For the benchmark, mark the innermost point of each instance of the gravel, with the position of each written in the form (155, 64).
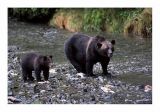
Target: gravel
(66, 86)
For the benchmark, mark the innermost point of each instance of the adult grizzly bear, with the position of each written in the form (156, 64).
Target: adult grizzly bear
(84, 51)
(35, 62)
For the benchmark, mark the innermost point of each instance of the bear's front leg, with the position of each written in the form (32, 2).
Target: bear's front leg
(46, 74)
(104, 68)
(38, 74)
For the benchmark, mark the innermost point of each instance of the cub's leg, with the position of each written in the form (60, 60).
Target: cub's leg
(38, 74)
(30, 77)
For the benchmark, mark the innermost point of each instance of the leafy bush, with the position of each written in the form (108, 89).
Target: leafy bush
(93, 19)
(108, 19)
(31, 14)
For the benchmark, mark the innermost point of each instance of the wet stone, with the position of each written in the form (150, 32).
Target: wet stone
(144, 101)
(13, 99)
(128, 101)
(13, 48)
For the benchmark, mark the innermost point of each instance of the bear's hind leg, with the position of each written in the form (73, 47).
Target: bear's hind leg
(24, 75)
(76, 66)
(89, 68)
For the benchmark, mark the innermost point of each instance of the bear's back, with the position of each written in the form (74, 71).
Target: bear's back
(28, 60)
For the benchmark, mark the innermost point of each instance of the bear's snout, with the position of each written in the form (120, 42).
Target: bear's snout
(110, 53)
(51, 65)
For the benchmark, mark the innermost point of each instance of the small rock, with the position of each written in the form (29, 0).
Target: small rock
(107, 89)
(148, 88)
(100, 78)
(128, 101)
(85, 90)
(12, 74)
(144, 101)
(35, 96)
(93, 98)
(13, 99)
(10, 83)
(32, 85)
(36, 89)
(10, 93)
(12, 48)
(48, 87)
(81, 75)
(10, 102)
(53, 71)
(10, 67)
(108, 98)
(63, 69)
(46, 82)
(141, 86)
(21, 93)
(68, 76)
(42, 91)
(42, 82)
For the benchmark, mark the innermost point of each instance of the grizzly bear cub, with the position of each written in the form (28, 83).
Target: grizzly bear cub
(84, 51)
(35, 62)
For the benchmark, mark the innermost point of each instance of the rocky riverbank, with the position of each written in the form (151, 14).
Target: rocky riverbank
(66, 86)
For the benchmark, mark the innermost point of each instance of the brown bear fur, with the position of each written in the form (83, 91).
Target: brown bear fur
(84, 51)
(35, 62)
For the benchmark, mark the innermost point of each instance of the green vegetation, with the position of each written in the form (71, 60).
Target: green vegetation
(97, 19)
(110, 20)
(136, 21)
(93, 19)
(130, 21)
(31, 14)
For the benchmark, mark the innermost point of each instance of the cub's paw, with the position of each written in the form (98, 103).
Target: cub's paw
(108, 75)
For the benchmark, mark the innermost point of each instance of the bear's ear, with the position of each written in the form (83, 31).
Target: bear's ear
(113, 42)
(50, 56)
(98, 45)
(44, 58)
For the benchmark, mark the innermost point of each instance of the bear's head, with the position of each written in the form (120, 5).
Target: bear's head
(104, 48)
(47, 60)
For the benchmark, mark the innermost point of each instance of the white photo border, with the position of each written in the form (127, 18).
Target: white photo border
(154, 107)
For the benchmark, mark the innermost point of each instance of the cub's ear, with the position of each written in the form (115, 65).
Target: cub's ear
(98, 45)
(44, 58)
(51, 56)
(113, 42)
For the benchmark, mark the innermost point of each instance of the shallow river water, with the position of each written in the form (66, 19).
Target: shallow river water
(131, 56)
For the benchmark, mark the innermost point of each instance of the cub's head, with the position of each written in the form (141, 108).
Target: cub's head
(105, 48)
(47, 60)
